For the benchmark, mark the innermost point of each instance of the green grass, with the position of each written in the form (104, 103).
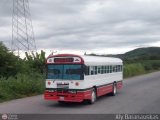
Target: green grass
(21, 86)
(141, 67)
(133, 69)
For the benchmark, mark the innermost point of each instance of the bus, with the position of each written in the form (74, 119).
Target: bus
(75, 78)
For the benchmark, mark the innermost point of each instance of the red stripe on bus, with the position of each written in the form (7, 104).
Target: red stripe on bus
(104, 90)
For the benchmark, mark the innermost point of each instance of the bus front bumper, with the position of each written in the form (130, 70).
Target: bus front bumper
(68, 97)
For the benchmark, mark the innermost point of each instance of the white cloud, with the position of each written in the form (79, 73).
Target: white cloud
(90, 25)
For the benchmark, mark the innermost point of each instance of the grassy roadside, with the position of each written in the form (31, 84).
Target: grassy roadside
(141, 67)
(22, 85)
(20, 77)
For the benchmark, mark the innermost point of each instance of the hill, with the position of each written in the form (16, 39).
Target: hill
(142, 53)
(151, 53)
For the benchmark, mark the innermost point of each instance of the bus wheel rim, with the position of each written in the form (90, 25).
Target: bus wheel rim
(115, 90)
(93, 97)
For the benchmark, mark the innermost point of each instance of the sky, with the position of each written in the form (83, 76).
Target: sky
(91, 26)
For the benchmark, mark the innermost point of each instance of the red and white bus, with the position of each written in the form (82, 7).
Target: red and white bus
(74, 78)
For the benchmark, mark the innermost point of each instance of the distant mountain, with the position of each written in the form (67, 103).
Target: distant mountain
(139, 53)
(149, 52)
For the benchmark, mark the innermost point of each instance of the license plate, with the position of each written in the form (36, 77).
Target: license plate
(61, 98)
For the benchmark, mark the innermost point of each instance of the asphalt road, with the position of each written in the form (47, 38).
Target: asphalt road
(139, 95)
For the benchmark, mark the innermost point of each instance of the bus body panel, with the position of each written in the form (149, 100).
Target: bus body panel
(103, 82)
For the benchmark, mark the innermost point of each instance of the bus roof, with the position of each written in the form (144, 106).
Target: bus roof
(93, 60)
(98, 60)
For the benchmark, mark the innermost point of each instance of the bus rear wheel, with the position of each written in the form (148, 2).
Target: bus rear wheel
(114, 92)
(93, 97)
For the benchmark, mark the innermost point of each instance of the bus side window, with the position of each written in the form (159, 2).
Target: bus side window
(99, 70)
(116, 68)
(121, 67)
(91, 72)
(107, 69)
(95, 70)
(110, 69)
(86, 69)
(102, 67)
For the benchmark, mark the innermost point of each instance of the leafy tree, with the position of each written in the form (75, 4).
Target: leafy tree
(8, 62)
(11, 65)
(36, 61)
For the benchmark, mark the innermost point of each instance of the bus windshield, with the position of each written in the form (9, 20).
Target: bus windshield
(65, 72)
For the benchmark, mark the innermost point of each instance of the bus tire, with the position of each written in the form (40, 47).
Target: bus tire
(93, 97)
(114, 92)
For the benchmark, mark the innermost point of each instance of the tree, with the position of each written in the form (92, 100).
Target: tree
(8, 62)
(36, 61)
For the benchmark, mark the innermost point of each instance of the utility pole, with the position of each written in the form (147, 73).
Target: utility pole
(22, 29)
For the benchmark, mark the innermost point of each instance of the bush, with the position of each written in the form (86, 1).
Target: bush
(151, 65)
(20, 77)
(20, 86)
(133, 69)
(140, 67)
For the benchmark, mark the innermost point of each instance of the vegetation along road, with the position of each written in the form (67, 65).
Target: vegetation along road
(140, 94)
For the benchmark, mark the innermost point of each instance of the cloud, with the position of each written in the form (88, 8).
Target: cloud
(91, 24)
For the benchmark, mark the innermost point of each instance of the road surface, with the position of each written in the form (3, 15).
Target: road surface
(139, 95)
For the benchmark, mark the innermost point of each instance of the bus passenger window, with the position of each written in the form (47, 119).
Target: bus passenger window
(99, 70)
(110, 69)
(107, 69)
(95, 70)
(92, 72)
(86, 70)
(102, 69)
(121, 68)
(117, 68)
